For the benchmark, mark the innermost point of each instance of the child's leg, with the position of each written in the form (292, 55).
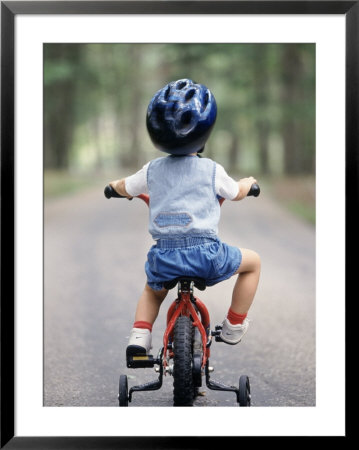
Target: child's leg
(235, 325)
(247, 282)
(146, 313)
(149, 305)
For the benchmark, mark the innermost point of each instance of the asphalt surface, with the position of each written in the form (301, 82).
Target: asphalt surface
(94, 253)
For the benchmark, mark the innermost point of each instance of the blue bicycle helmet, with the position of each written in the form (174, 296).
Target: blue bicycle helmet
(180, 117)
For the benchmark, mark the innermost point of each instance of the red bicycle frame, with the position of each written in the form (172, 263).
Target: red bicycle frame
(183, 306)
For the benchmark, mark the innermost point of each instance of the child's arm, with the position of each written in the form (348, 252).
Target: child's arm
(244, 186)
(132, 185)
(119, 187)
(227, 187)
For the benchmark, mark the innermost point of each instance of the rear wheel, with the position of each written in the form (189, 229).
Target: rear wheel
(123, 391)
(183, 387)
(244, 391)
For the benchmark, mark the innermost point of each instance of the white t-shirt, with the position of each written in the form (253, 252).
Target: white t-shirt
(225, 186)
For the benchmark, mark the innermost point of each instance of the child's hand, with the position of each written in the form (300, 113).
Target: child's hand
(245, 185)
(119, 187)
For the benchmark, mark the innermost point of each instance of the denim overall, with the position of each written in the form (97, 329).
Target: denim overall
(183, 220)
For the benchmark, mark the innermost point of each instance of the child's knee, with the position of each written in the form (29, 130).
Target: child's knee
(256, 260)
(159, 295)
(251, 261)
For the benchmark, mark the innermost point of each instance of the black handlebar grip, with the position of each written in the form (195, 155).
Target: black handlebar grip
(110, 192)
(254, 190)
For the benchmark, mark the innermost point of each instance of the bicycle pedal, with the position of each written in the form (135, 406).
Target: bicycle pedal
(217, 330)
(140, 361)
(217, 333)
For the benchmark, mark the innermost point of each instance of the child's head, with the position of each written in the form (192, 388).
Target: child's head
(180, 117)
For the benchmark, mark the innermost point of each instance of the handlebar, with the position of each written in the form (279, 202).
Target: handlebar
(254, 191)
(110, 192)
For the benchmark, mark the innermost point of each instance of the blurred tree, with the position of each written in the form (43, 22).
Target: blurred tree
(62, 65)
(261, 99)
(134, 58)
(295, 113)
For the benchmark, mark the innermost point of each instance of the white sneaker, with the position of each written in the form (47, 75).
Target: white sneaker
(140, 342)
(232, 334)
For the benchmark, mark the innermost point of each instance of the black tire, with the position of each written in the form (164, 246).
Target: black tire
(195, 392)
(244, 391)
(123, 391)
(183, 388)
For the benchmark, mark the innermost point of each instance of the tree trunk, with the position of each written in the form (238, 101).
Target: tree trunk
(263, 136)
(60, 109)
(261, 79)
(291, 75)
(234, 152)
(133, 157)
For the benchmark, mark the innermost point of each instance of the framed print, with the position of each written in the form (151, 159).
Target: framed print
(77, 79)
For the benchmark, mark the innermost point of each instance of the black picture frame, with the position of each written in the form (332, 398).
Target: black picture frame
(9, 10)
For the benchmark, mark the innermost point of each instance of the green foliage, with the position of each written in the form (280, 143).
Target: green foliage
(59, 183)
(302, 210)
(96, 96)
(295, 193)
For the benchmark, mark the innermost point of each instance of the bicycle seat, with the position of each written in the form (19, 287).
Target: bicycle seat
(199, 283)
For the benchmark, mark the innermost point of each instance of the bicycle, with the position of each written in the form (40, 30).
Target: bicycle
(186, 343)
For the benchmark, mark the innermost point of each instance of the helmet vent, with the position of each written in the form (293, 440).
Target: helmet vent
(190, 94)
(167, 93)
(205, 100)
(186, 117)
(181, 84)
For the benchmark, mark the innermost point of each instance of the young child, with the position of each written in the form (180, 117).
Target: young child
(184, 211)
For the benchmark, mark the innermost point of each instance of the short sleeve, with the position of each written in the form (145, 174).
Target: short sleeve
(226, 186)
(136, 184)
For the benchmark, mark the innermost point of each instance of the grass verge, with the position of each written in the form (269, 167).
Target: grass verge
(296, 193)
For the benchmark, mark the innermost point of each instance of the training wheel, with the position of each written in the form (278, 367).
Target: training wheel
(123, 391)
(244, 391)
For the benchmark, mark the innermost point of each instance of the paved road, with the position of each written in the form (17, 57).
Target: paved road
(94, 256)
